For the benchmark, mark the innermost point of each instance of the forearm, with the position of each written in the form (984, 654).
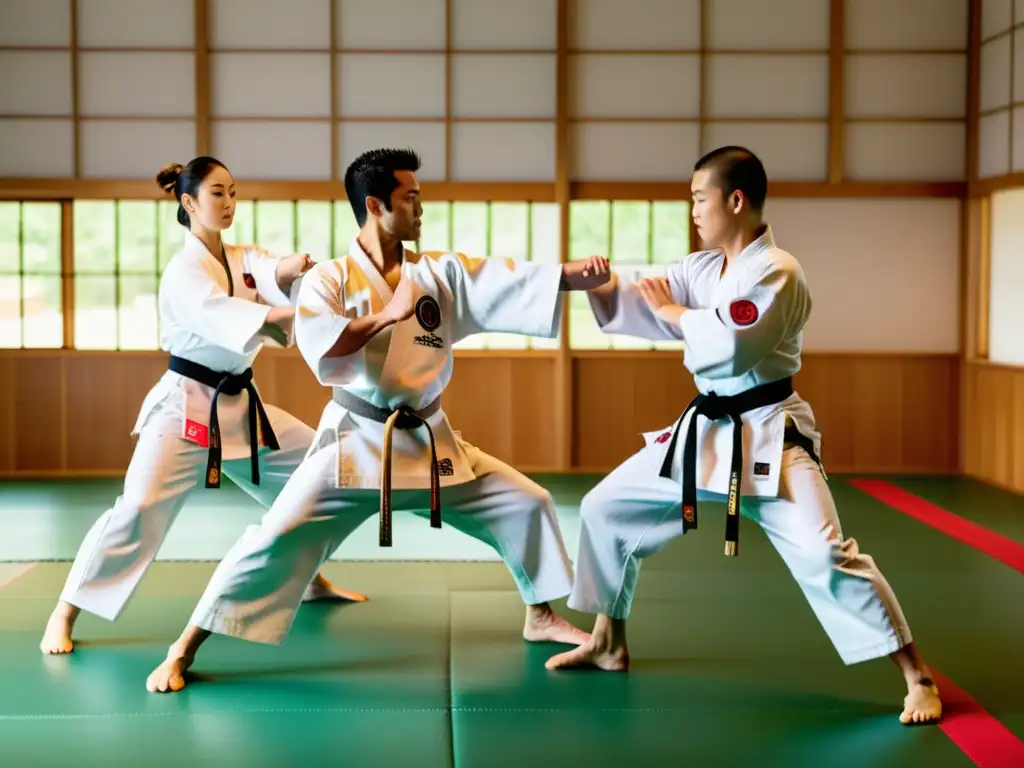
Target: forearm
(358, 332)
(605, 298)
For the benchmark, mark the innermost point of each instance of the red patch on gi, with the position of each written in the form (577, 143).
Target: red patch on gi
(743, 312)
(249, 280)
(663, 438)
(197, 433)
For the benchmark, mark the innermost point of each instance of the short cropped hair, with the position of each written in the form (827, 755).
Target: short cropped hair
(372, 174)
(737, 169)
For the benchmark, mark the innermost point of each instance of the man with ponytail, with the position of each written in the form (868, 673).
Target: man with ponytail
(219, 305)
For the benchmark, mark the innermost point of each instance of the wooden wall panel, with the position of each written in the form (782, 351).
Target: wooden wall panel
(994, 424)
(615, 399)
(877, 413)
(70, 413)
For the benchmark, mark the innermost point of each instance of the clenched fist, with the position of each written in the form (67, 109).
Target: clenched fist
(587, 274)
(290, 268)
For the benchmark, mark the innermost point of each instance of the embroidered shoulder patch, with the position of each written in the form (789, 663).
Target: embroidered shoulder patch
(743, 312)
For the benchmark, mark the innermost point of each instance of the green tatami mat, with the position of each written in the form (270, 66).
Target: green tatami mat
(1000, 511)
(354, 685)
(705, 688)
(233, 739)
(388, 654)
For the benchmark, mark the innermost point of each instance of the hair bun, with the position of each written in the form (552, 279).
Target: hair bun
(167, 177)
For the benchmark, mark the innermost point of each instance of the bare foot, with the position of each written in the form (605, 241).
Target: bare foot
(606, 649)
(922, 703)
(57, 635)
(590, 655)
(169, 677)
(321, 589)
(543, 625)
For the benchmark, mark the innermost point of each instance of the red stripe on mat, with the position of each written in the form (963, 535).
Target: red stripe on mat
(992, 544)
(986, 741)
(979, 735)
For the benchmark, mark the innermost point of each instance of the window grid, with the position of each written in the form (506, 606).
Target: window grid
(652, 261)
(38, 276)
(116, 294)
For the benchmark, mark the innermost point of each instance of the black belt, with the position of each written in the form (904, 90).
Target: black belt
(715, 407)
(402, 417)
(230, 384)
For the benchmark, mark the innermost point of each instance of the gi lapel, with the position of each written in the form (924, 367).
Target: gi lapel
(370, 270)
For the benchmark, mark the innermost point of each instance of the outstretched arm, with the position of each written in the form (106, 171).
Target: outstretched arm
(275, 276)
(507, 296)
(621, 307)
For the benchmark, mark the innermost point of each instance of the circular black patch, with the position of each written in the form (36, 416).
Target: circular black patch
(428, 313)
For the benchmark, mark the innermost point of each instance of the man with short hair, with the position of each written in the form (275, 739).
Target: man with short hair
(740, 308)
(378, 326)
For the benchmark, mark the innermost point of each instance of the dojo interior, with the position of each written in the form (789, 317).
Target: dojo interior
(550, 130)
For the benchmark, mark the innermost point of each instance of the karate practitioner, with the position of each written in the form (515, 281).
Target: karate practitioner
(378, 327)
(219, 304)
(740, 308)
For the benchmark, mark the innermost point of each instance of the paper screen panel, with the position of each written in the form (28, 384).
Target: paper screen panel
(1006, 280)
(35, 83)
(906, 24)
(295, 24)
(790, 152)
(134, 84)
(503, 85)
(639, 25)
(996, 66)
(35, 22)
(392, 25)
(136, 23)
(503, 152)
(265, 84)
(635, 86)
(767, 86)
(996, 17)
(273, 150)
(428, 139)
(1018, 139)
(420, 78)
(880, 86)
(758, 25)
(487, 25)
(1018, 65)
(994, 144)
(36, 148)
(634, 151)
(134, 149)
(905, 151)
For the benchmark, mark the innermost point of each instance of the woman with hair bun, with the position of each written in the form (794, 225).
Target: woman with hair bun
(219, 304)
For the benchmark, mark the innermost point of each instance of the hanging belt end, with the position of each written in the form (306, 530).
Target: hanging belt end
(732, 548)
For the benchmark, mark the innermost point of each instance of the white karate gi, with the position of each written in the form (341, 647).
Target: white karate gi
(742, 330)
(209, 320)
(258, 586)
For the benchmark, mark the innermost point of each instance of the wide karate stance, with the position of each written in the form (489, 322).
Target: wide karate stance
(740, 308)
(204, 416)
(378, 327)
